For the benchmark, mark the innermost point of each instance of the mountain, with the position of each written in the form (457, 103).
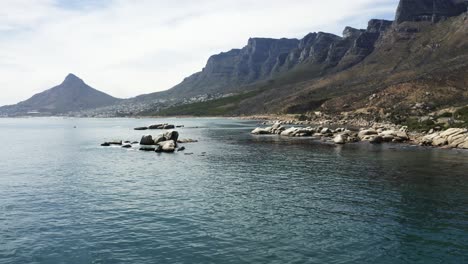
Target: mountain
(72, 95)
(415, 64)
(265, 59)
(224, 73)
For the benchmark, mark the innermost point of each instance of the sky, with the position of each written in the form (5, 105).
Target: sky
(132, 47)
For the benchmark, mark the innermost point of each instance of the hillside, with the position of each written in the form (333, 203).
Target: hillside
(72, 95)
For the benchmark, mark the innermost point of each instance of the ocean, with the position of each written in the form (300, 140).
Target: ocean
(230, 198)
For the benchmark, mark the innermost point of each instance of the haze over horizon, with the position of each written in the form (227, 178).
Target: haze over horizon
(127, 48)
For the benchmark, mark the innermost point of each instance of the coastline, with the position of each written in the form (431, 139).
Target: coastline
(449, 138)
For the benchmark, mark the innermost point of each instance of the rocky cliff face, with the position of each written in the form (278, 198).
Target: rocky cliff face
(429, 10)
(263, 58)
(226, 71)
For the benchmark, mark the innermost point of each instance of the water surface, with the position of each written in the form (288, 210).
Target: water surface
(247, 199)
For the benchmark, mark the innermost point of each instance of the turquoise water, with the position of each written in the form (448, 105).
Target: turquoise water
(249, 199)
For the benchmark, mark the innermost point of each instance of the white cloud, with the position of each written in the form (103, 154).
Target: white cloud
(130, 47)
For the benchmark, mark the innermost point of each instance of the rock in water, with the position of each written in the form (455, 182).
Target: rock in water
(140, 128)
(339, 139)
(363, 133)
(158, 139)
(187, 140)
(376, 139)
(106, 144)
(168, 146)
(325, 131)
(171, 135)
(147, 140)
(156, 126)
(261, 131)
(168, 127)
(127, 146)
(147, 149)
(181, 149)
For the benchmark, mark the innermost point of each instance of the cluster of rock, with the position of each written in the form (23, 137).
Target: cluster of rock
(124, 144)
(339, 135)
(158, 126)
(450, 138)
(167, 142)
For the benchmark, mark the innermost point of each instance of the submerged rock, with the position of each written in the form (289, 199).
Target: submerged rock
(156, 126)
(187, 140)
(181, 149)
(147, 149)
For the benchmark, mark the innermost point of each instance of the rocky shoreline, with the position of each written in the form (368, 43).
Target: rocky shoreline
(376, 133)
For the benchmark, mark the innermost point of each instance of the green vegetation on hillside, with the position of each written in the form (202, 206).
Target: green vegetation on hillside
(219, 107)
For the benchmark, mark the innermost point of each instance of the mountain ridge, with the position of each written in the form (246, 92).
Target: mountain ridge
(326, 72)
(325, 69)
(72, 95)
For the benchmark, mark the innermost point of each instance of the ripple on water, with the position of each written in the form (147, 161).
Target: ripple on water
(247, 200)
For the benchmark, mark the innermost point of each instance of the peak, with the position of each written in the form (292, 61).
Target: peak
(71, 78)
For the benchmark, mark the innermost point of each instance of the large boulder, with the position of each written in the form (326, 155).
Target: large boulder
(464, 145)
(428, 139)
(277, 125)
(339, 139)
(453, 131)
(402, 135)
(277, 128)
(439, 141)
(171, 135)
(158, 139)
(367, 132)
(325, 131)
(261, 131)
(376, 139)
(289, 132)
(457, 140)
(167, 146)
(147, 140)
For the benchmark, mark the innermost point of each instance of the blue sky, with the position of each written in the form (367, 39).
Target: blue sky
(131, 47)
